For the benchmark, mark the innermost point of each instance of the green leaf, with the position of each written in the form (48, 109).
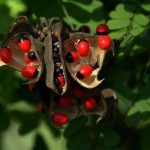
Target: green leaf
(28, 120)
(40, 143)
(146, 6)
(125, 7)
(81, 143)
(74, 126)
(139, 111)
(118, 23)
(137, 31)
(6, 20)
(117, 34)
(5, 116)
(14, 141)
(141, 19)
(81, 140)
(120, 14)
(109, 137)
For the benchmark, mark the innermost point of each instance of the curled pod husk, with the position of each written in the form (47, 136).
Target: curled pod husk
(112, 102)
(60, 31)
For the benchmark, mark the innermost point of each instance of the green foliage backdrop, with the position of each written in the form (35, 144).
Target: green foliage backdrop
(23, 127)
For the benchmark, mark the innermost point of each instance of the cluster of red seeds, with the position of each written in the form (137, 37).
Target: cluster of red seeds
(24, 44)
(85, 71)
(61, 118)
(28, 71)
(82, 50)
(65, 101)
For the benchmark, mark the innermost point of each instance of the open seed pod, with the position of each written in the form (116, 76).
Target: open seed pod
(93, 103)
(21, 50)
(84, 58)
(55, 68)
(63, 108)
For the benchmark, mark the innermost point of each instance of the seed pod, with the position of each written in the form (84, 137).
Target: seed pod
(65, 101)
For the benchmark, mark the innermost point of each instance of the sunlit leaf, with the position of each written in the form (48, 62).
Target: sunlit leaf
(139, 111)
(146, 6)
(126, 7)
(141, 19)
(137, 31)
(118, 23)
(120, 14)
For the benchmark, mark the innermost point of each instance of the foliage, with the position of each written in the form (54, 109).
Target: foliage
(23, 127)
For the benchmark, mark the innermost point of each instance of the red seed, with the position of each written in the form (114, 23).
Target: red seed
(60, 118)
(24, 44)
(29, 72)
(31, 87)
(84, 28)
(84, 72)
(90, 103)
(27, 59)
(104, 42)
(83, 48)
(65, 101)
(5, 55)
(102, 29)
(72, 57)
(78, 92)
(40, 107)
(62, 81)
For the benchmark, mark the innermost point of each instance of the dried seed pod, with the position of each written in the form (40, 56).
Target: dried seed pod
(28, 41)
(95, 59)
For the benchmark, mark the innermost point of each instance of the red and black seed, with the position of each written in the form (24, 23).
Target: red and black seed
(31, 55)
(79, 75)
(84, 28)
(58, 71)
(69, 58)
(59, 80)
(56, 82)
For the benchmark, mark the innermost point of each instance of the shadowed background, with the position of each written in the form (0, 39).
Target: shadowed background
(128, 73)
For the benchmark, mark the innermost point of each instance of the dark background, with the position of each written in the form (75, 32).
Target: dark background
(22, 127)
